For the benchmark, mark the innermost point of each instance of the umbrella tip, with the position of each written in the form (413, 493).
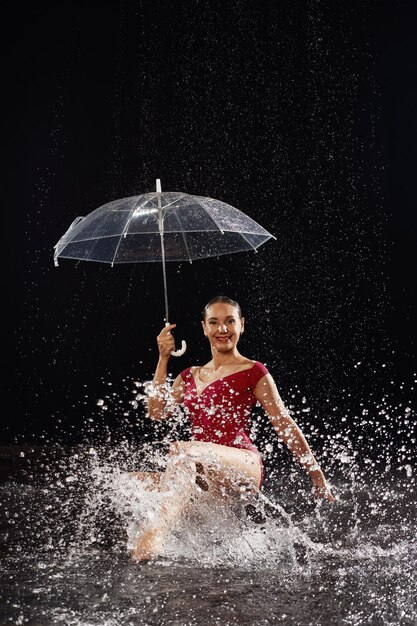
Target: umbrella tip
(158, 185)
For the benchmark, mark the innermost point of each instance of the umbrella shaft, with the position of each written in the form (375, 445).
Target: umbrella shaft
(164, 274)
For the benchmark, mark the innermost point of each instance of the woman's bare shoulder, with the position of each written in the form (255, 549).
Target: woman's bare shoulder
(247, 363)
(192, 370)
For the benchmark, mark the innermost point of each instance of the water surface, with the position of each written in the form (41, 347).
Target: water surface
(68, 516)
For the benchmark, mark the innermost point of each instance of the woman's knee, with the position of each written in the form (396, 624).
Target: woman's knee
(186, 456)
(179, 459)
(174, 449)
(196, 450)
(186, 450)
(178, 448)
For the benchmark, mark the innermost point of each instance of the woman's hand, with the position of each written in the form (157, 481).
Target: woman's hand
(323, 491)
(320, 487)
(166, 342)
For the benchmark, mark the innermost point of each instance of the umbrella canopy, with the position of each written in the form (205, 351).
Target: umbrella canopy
(160, 227)
(128, 230)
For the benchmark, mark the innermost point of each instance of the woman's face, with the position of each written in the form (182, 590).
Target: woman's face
(223, 326)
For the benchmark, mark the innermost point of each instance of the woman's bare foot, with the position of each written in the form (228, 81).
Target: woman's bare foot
(149, 546)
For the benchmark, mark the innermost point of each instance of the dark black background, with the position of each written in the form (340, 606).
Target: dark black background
(300, 114)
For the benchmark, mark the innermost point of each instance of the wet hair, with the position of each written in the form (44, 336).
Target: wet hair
(223, 300)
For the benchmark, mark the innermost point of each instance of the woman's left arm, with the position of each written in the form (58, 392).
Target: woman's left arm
(266, 393)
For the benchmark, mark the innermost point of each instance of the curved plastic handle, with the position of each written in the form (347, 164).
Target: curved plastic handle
(181, 350)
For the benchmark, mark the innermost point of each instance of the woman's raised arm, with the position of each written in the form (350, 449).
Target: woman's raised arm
(161, 397)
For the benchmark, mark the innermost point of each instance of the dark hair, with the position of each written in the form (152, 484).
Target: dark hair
(224, 300)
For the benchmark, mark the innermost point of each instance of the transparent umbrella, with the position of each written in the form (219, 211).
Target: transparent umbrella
(160, 227)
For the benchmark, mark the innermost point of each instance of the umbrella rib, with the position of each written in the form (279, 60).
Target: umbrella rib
(209, 214)
(183, 236)
(169, 203)
(247, 241)
(155, 232)
(223, 230)
(124, 231)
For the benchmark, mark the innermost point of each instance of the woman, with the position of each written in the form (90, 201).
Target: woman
(218, 398)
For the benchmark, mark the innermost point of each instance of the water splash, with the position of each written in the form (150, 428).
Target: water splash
(71, 514)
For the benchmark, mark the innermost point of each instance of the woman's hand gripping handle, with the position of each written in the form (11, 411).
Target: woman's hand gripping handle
(166, 343)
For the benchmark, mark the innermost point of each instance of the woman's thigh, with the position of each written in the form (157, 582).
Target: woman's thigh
(225, 462)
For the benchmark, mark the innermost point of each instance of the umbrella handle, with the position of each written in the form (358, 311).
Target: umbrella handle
(181, 350)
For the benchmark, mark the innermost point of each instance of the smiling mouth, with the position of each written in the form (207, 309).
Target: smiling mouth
(224, 339)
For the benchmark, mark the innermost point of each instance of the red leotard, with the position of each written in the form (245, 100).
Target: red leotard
(220, 414)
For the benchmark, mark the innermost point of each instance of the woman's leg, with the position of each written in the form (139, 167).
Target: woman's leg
(176, 486)
(234, 465)
(190, 463)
